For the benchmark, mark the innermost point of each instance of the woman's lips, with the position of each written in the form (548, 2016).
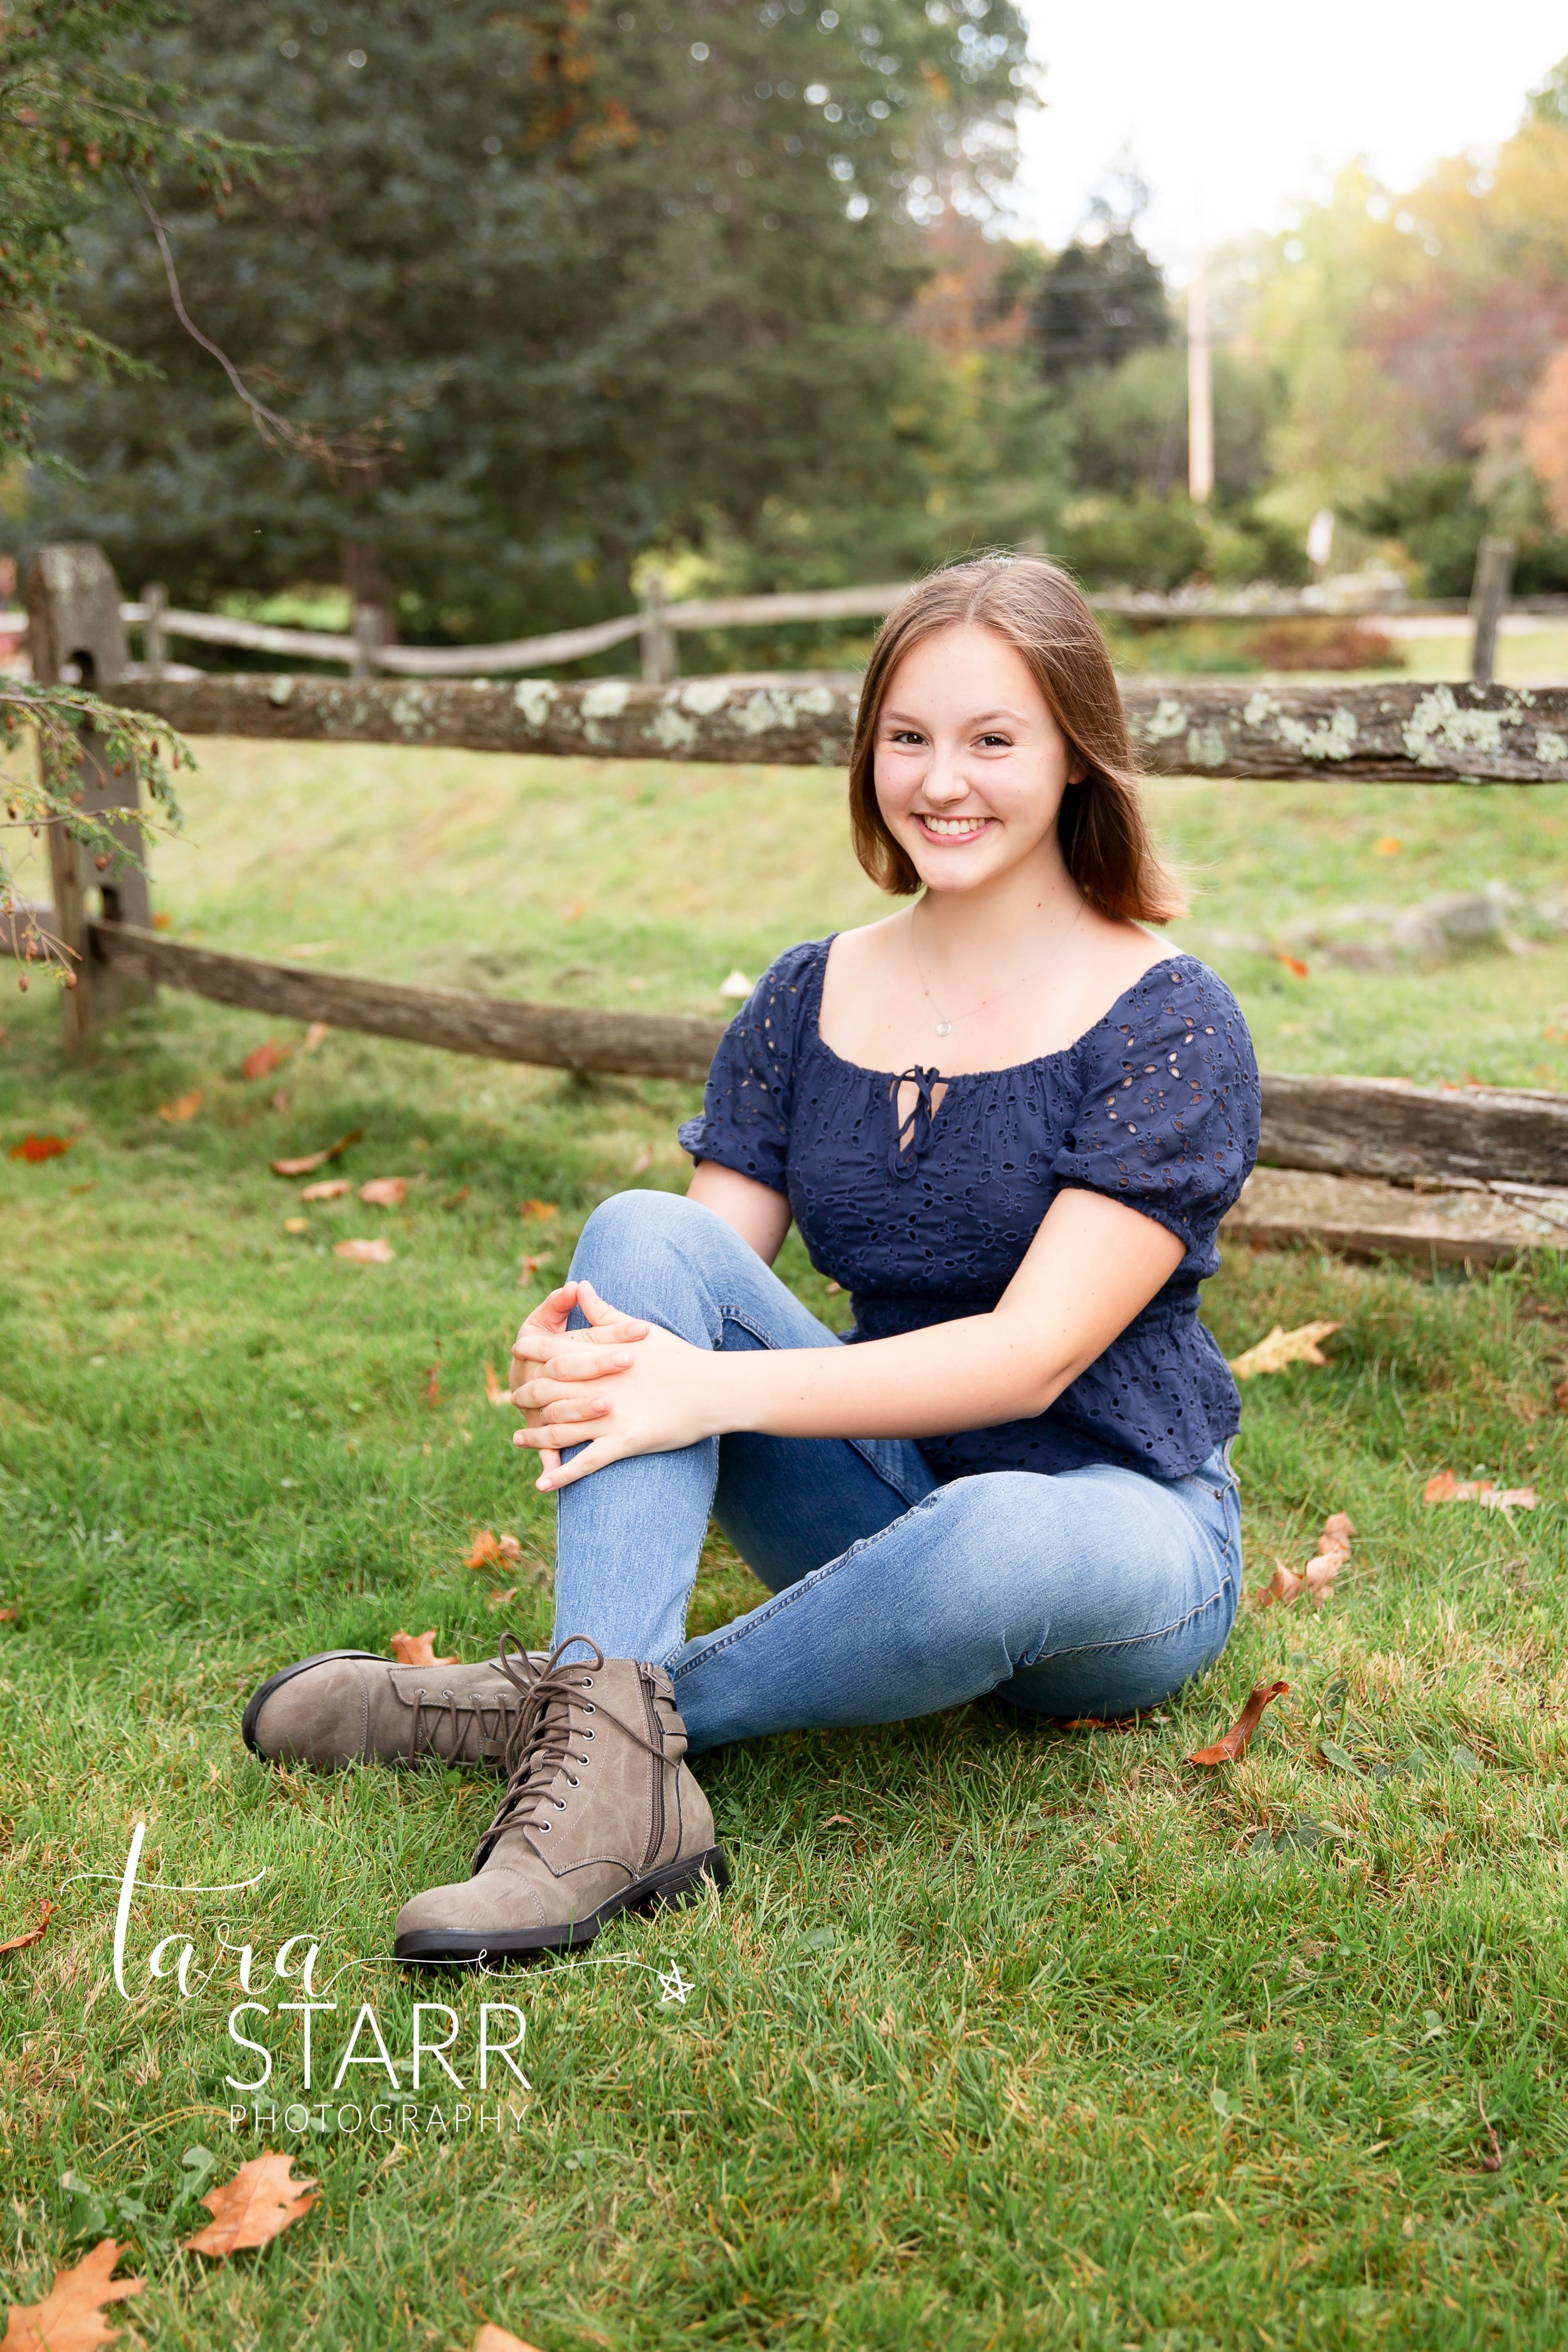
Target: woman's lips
(944, 831)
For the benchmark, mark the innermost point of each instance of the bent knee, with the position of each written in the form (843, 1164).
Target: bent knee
(630, 1236)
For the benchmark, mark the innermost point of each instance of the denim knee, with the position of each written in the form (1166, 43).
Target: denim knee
(634, 1238)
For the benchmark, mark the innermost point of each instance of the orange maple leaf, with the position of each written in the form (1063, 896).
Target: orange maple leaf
(418, 1650)
(489, 1549)
(32, 1936)
(251, 2208)
(263, 1059)
(1233, 1747)
(314, 1160)
(70, 2316)
(537, 1209)
(384, 1192)
(183, 1107)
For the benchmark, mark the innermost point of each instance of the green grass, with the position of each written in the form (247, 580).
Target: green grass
(1036, 2043)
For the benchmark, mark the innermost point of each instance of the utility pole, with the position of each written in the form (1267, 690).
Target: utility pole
(1200, 391)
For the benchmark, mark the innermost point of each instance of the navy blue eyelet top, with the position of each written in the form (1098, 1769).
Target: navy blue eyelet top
(927, 1220)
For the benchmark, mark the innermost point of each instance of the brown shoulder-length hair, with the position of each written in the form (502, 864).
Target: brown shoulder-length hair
(1042, 614)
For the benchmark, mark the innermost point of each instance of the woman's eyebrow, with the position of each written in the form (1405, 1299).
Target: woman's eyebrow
(985, 718)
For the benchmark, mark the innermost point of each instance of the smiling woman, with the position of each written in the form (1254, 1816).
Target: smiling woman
(1013, 1475)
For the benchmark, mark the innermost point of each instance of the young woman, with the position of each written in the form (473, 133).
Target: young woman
(1008, 1123)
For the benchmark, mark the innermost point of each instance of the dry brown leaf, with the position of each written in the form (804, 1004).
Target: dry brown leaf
(1560, 1396)
(70, 2316)
(1234, 1745)
(364, 1252)
(537, 1209)
(490, 1549)
(531, 1267)
(262, 1060)
(456, 1200)
(840, 1821)
(251, 2208)
(316, 1034)
(433, 1387)
(314, 1160)
(1294, 964)
(494, 1391)
(419, 1650)
(384, 1192)
(1281, 1347)
(33, 1935)
(296, 1224)
(1446, 1488)
(331, 1188)
(499, 1599)
(491, 2339)
(183, 1107)
(35, 1149)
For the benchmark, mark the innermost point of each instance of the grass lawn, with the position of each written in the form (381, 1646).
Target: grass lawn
(1000, 2038)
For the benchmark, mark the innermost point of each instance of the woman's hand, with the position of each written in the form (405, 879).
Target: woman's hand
(545, 1334)
(596, 1390)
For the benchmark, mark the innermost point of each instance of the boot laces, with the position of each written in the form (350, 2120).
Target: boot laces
(541, 1741)
(499, 1706)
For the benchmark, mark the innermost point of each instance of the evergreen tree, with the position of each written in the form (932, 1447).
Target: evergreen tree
(560, 283)
(1102, 300)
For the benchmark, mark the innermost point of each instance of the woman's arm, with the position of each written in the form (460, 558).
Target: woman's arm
(759, 1214)
(1092, 1266)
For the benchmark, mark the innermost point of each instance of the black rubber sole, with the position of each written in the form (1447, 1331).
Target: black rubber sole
(682, 1882)
(263, 1691)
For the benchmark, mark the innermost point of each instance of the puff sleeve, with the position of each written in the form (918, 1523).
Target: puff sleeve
(1168, 1119)
(746, 1105)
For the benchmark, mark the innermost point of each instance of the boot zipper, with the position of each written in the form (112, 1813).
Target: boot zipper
(656, 1727)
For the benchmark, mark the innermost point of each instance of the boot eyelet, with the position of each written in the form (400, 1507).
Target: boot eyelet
(546, 1826)
(571, 1783)
(587, 1735)
(591, 1710)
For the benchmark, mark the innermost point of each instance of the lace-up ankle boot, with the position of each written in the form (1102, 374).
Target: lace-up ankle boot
(350, 1706)
(601, 1814)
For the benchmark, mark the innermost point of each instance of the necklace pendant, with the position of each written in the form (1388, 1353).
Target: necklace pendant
(944, 1028)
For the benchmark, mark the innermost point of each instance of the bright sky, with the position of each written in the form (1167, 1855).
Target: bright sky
(1231, 107)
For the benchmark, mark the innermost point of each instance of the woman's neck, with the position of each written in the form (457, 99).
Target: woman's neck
(1016, 917)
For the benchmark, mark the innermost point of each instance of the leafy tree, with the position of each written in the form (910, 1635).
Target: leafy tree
(595, 278)
(1102, 299)
(77, 113)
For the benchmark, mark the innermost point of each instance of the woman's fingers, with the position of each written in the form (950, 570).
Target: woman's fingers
(601, 1314)
(593, 1457)
(541, 1383)
(560, 1437)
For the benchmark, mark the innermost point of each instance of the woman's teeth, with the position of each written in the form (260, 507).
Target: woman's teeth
(957, 828)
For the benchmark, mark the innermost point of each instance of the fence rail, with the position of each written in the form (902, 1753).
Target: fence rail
(1398, 732)
(656, 622)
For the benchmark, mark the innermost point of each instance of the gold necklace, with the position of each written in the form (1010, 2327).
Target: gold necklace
(944, 1025)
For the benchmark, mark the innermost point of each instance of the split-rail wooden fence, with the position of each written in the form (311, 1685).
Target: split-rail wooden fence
(1472, 1173)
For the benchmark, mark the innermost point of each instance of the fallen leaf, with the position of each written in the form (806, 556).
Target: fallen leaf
(1389, 846)
(537, 1209)
(32, 1934)
(1281, 1347)
(251, 2208)
(296, 1224)
(496, 1393)
(331, 1188)
(1560, 1396)
(183, 1107)
(35, 1149)
(262, 1060)
(316, 1034)
(384, 1192)
(839, 1821)
(499, 1599)
(456, 1200)
(491, 2339)
(1098, 1723)
(1446, 1488)
(363, 1252)
(418, 1650)
(1317, 1578)
(70, 2316)
(488, 1548)
(1294, 964)
(8, 1616)
(531, 1267)
(163, 923)
(433, 1387)
(1286, 1588)
(1234, 1745)
(314, 1160)
(735, 983)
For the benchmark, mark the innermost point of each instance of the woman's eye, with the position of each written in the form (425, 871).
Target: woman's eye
(996, 742)
(905, 735)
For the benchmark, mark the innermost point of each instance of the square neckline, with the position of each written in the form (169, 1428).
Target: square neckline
(1005, 1070)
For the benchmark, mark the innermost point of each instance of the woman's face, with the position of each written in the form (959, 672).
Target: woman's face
(970, 765)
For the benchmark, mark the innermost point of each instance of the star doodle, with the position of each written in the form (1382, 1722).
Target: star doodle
(675, 1986)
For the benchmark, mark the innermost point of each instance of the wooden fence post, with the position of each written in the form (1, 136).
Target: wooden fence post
(155, 646)
(661, 663)
(74, 625)
(1489, 601)
(369, 637)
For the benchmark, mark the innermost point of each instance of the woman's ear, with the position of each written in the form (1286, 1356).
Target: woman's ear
(1077, 770)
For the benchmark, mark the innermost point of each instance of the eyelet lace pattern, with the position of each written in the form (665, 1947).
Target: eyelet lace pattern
(1157, 1105)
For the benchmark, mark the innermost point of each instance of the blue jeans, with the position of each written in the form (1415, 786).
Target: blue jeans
(1094, 1591)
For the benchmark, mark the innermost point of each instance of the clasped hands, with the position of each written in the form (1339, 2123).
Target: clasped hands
(621, 1387)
